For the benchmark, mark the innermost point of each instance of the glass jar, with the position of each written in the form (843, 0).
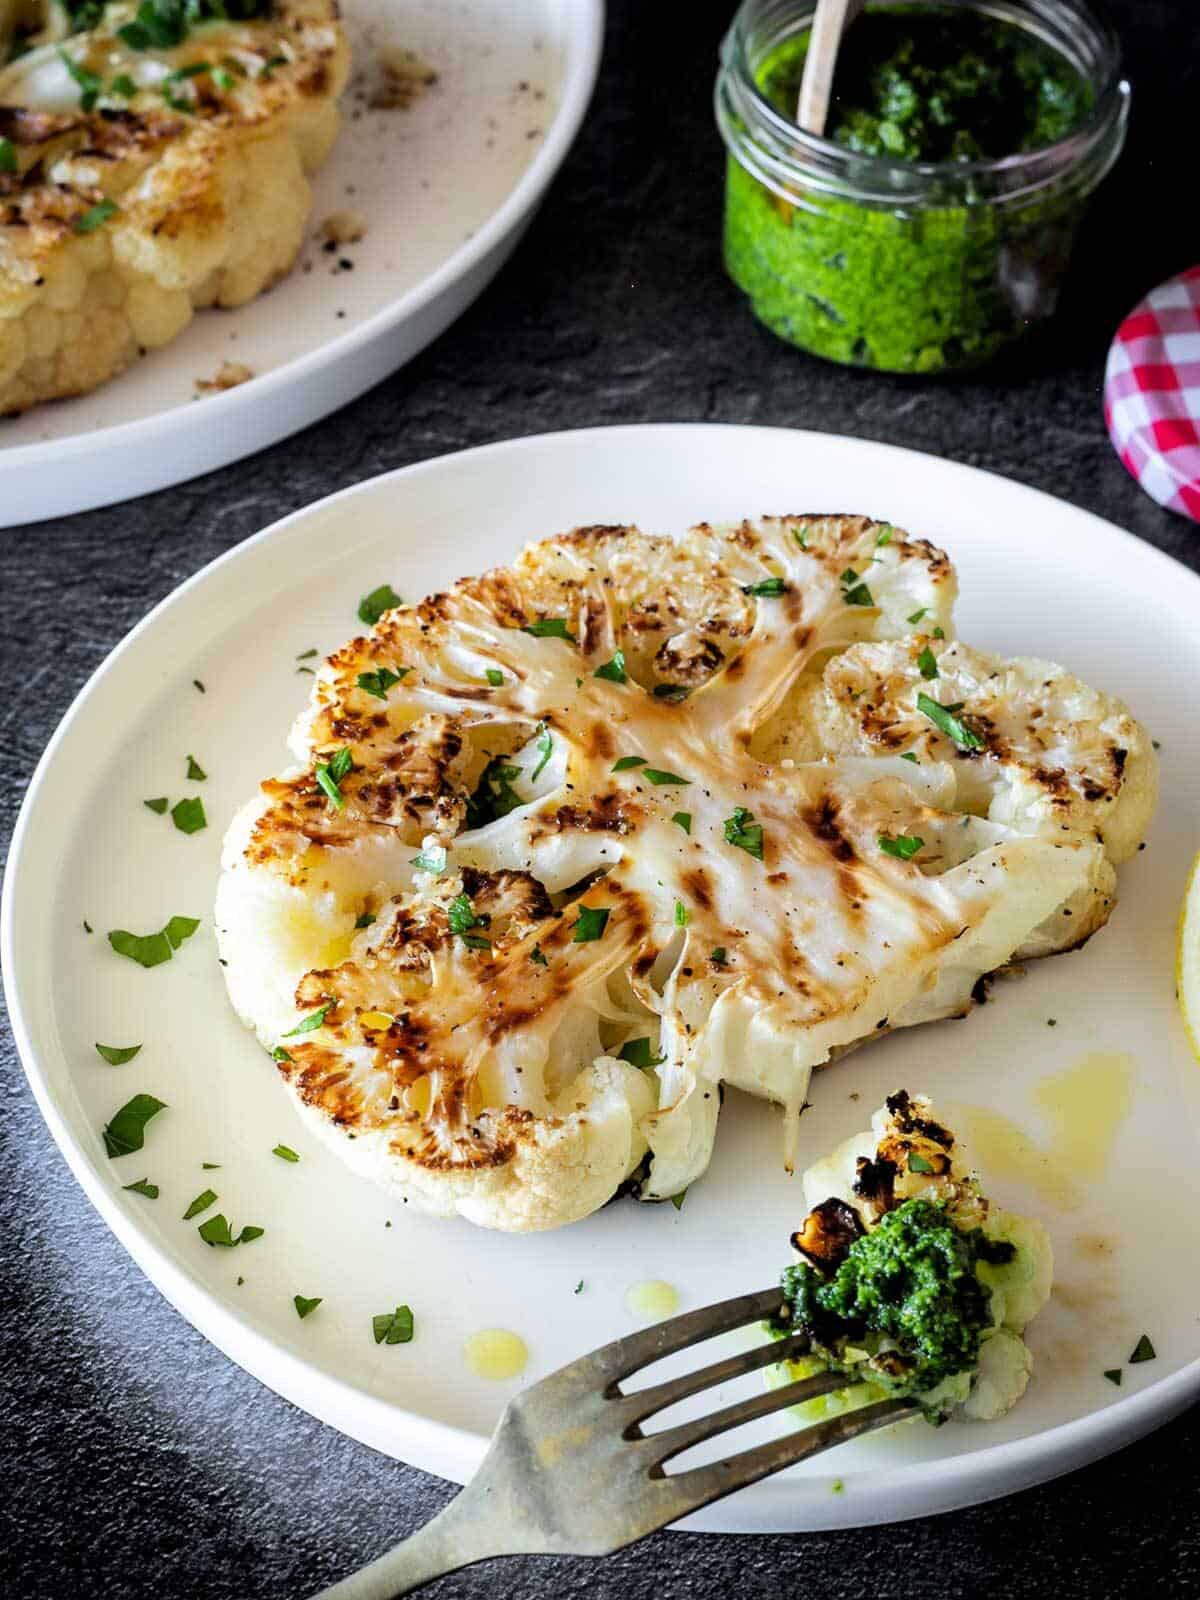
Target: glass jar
(900, 265)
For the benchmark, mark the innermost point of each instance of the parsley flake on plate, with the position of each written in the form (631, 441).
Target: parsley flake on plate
(393, 1327)
(188, 815)
(329, 775)
(495, 677)
(545, 745)
(157, 805)
(1113, 1374)
(117, 1054)
(682, 915)
(683, 819)
(203, 1200)
(462, 919)
(372, 606)
(640, 1053)
(304, 1306)
(285, 1153)
(625, 763)
(126, 1132)
(854, 590)
(767, 589)
(142, 1186)
(216, 1231)
(431, 860)
(152, 949)
(678, 1199)
(927, 662)
(665, 779)
(195, 772)
(918, 1163)
(1143, 1350)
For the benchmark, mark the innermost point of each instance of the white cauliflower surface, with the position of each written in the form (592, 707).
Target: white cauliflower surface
(542, 877)
(154, 160)
(907, 1154)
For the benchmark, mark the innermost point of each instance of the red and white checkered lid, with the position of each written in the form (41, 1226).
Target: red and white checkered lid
(1152, 393)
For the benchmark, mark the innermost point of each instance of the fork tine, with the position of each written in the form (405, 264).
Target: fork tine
(643, 1403)
(704, 1484)
(623, 1357)
(671, 1442)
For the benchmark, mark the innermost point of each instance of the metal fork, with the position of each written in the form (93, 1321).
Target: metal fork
(570, 1471)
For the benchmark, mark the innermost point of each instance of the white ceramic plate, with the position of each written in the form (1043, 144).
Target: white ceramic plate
(446, 187)
(1036, 576)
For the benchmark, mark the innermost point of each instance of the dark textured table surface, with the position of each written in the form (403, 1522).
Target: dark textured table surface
(614, 309)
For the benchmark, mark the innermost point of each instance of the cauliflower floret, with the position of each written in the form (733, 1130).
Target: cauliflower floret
(151, 182)
(587, 723)
(906, 1160)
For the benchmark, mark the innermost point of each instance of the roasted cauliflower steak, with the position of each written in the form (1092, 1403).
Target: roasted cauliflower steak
(154, 160)
(574, 843)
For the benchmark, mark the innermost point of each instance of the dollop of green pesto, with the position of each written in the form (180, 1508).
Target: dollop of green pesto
(909, 1290)
(919, 83)
(920, 288)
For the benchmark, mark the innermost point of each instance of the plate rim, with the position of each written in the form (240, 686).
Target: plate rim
(449, 1449)
(584, 39)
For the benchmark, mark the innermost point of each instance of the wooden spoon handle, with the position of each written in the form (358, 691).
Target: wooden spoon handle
(832, 19)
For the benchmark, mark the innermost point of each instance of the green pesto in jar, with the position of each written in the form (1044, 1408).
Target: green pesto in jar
(923, 289)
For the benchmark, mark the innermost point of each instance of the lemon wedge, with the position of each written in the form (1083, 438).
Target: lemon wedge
(1187, 960)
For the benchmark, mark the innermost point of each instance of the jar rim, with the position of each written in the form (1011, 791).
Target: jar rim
(1110, 94)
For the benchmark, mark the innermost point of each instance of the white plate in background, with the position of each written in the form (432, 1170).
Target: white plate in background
(1036, 575)
(446, 188)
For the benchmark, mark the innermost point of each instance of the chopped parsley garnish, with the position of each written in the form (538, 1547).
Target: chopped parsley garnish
(307, 655)
(720, 956)
(152, 949)
(946, 722)
(158, 805)
(372, 606)
(431, 860)
(142, 1186)
(364, 919)
(495, 796)
(311, 1022)
(8, 156)
(939, 633)
(538, 956)
(280, 1054)
(678, 1199)
(918, 1163)
(767, 589)
(89, 92)
(1143, 1350)
(462, 919)
(123, 86)
(217, 1231)
(117, 1054)
(624, 763)
(378, 683)
(613, 671)
(393, 1327)
(640, 1053)
(545, 745)
(203, 1200)
(682, 915)
(127, 1130)
(671, 692)
(550, 628)
(742, 830)
(854, 590)
(927, 662)
(885, 536)
(285, 1153)
(188, 815)
(210, 1166)
(329, 775)
(304, 1306)
(916, 616)
(663, 779)
(95, 217)
(590, 924)
(495, 677)
(683, 819)
(903, 846)
(1113, 1374)
(579, 1287)
(87, 927)
(910, 756)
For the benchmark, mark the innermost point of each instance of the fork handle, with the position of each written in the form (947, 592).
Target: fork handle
(458, 1536)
